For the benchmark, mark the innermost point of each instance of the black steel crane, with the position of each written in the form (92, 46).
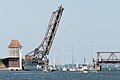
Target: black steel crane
(39, 54)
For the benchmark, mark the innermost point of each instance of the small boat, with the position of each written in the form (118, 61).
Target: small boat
(84, 68)
(85, 71)
(45, 71)
(72, 69)
(52, 68)
(64, 69)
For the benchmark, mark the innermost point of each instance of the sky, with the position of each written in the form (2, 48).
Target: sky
(86, 27)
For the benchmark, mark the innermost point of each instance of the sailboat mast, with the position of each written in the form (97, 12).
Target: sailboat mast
(72, 55)
(84, 60)
(62, 55)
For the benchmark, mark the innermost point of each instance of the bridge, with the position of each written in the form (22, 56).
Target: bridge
(112, 58)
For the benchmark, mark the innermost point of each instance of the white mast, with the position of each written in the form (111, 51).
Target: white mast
(72, 55)
(62, 57)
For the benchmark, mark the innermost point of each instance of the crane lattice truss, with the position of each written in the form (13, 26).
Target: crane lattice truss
(41, 52)
(112, 58)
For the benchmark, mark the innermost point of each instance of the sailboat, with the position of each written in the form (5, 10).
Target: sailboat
(53, 67)
(84, 67)
(63, 67)
(73, 68)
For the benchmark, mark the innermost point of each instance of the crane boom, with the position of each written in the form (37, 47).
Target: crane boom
(40, 53)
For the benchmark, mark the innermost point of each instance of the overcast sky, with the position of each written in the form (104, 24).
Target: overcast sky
(87, 26)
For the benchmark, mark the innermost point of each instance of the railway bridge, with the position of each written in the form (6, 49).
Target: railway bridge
(113, 58)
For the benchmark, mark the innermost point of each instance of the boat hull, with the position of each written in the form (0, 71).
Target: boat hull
(29, 66)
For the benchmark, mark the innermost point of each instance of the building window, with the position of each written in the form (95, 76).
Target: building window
(14, 52)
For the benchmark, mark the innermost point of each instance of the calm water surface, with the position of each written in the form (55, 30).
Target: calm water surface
(58, 75)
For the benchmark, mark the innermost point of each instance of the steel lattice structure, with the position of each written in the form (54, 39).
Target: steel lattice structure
(39, 54)
(112, 58)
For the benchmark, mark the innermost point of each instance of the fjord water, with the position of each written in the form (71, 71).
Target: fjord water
(59, 75)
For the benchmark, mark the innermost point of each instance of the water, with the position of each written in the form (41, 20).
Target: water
(58, 75)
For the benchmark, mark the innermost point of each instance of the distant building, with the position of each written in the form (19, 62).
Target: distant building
(15, 55)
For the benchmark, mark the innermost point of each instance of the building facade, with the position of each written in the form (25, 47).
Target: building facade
(15, 55)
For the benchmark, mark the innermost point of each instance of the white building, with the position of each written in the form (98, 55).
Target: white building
(15, 55)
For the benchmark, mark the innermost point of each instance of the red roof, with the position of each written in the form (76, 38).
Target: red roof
(14, 44)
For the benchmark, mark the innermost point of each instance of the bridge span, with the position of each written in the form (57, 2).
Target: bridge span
(113, 58)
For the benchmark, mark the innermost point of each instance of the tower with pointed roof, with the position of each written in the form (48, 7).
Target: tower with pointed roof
(15, 55)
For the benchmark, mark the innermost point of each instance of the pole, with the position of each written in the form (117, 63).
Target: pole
(72, 55)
